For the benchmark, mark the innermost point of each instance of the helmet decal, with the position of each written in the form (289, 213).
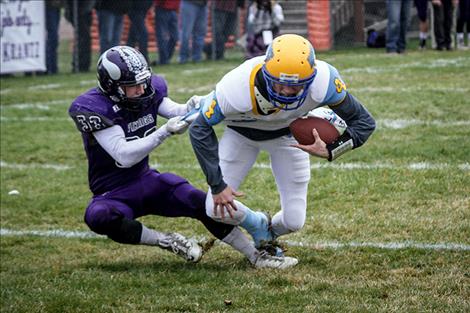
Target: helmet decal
(311, 57)
(112, 69)
(133, 62)
(289, 78)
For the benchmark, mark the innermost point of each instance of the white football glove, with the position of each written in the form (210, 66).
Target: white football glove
(193, 103)
(176, 126)
(330, 116)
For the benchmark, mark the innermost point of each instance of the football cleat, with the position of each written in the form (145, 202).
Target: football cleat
(265, 260)
(188, 249)
(273, 248)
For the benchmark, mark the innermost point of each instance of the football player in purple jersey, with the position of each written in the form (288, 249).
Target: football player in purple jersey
(117, 121)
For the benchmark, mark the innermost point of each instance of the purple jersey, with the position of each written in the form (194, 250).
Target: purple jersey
(93, 111)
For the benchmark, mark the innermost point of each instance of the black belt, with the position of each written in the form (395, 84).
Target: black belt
(259, 134)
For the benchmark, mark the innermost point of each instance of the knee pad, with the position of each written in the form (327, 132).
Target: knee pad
(98, 217)
(294, 216)
(291, 218)
(105, 219)
(294, 225)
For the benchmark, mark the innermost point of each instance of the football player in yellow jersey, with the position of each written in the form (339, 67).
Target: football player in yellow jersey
(257, 101)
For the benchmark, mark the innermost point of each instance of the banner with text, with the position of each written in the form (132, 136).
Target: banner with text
(22, 36)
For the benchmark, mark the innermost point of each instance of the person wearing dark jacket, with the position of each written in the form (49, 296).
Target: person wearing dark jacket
(110, 16)
(138, 33)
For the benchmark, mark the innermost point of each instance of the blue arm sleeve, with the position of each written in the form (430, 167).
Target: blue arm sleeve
(210, 109)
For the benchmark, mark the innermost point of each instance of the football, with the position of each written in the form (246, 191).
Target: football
(302, 128)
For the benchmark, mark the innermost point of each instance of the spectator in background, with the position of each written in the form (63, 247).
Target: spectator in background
(264, 20)
(110, 15)
(138, 31)
(463, 18)
(53, 8)
(422, 8)
(166, 28)
(443, 19)
(193, 25)
(82, 49)
(224, 24)
(398, 14)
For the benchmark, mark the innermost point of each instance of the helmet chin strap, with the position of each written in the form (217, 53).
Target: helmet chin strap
(264, 104)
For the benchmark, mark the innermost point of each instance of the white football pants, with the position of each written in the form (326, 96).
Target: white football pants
(291, 169)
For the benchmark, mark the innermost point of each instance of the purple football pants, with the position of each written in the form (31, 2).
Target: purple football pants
(153, 193)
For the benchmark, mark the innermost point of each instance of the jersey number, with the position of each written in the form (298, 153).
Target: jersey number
(211, 109)
(90, 123)
(340, 86)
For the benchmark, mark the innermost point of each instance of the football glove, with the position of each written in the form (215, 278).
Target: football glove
(193, 103)
(176, 125)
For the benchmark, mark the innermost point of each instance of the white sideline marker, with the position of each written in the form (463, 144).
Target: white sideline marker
(319, 245)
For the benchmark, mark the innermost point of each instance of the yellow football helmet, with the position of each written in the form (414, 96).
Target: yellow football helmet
(290, 60)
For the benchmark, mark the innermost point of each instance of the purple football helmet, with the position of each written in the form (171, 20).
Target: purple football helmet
(125, 66)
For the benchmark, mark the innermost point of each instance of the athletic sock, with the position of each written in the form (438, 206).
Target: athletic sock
(151, 237)
(237, 240)
(252, 221)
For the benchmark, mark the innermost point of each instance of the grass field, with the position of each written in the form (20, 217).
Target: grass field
(388, 225)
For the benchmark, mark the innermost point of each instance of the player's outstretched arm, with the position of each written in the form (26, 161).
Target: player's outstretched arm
(129, 153)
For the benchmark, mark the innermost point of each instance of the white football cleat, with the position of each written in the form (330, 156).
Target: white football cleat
(188, 249)
(265, 260)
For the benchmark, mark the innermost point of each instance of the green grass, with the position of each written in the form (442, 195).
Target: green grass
(391, 201)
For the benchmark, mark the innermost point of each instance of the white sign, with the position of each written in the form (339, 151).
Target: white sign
(22, 36)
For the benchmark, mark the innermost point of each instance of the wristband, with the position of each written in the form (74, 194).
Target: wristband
(343, 144)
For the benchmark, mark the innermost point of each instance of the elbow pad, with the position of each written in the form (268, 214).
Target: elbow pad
(343, 144)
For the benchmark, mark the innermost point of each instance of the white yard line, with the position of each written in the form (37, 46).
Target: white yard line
(35, 119)
(314, 245)
(45, 86)
(437, 63)
(404, 123)
(44, 105)
(418, 166)
(382, 245)
(382, 123)
(414, 89)
(18, 166)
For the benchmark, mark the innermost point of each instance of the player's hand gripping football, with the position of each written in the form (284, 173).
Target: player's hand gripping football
(224, 201)
(176, 125)
(318, 148)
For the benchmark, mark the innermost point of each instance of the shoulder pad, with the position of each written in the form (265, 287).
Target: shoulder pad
(160, 86)
(88, 122)
(336, 88)
(327, 88)
(91, 112)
